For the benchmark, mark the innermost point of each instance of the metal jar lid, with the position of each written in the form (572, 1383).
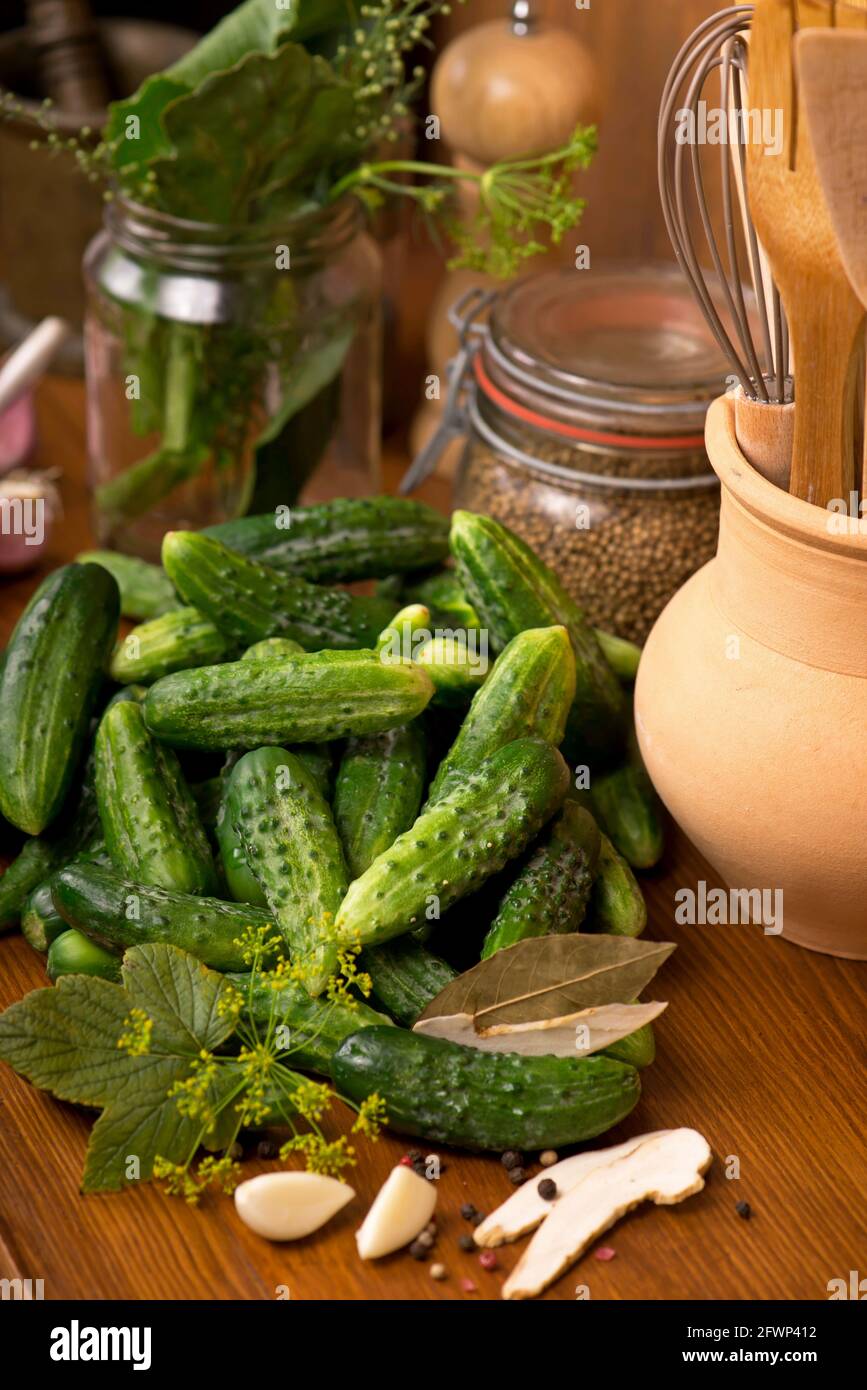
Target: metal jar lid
(618, 359)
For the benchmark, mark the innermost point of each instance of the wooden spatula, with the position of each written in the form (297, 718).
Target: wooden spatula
(832, 76)
(824, 314)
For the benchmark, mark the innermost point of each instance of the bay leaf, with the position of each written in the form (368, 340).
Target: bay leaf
(551, 977)
(546, 1037)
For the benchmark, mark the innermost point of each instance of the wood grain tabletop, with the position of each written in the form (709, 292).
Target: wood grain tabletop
(762, 1049)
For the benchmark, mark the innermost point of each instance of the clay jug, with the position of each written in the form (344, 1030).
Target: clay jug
(751, 703)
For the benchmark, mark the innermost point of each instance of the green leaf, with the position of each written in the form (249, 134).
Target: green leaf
(65, 1039)
(551, 977)
(256, 26)
(246, 141)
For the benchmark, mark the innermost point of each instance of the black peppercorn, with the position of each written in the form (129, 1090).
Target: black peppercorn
(547, 1189)
(744, 1210)
(512, 1159)
(468, 1211)
(419, 1251)
(466, 1243)
(516, 1176)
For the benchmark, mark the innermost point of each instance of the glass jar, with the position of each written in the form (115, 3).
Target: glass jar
(229, 369)
(583, 399)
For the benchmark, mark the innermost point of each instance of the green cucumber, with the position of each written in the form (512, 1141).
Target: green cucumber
(272, 649)
(248, 601)
(450, 1094)
(528, 693)
(637, 1049)
(550, 895)
(149, 817)
(443, 593)
(398, 639)
(342, 540)
(405, 977)
(456, 668)
(55, 667)
(293, 849)
(73, 953)
(625, 806)
(304, 699)
(41, 923)
(617, 903)
(622, 656)
(512, 590)
(378, 792)
(145, 590)
(40, 920)
(315, 1027)
(36, 859)
(119, 913)
(242, 883)
(174, 642)
(457, 844)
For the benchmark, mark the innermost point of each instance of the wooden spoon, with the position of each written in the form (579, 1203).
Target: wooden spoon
(832, 76)
(824, 315)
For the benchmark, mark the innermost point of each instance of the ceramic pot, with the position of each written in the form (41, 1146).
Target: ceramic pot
(751, 703)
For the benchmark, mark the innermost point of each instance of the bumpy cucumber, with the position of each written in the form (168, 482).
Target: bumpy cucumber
(513, 589)
(41, 923)
(443, 593)
(242, 883)
(378, 792)
(304, 699)
(315, 1027)
(626, 810)
(248, 601)
(638, 1049)
(457, 844)
(145, 590)
(342, 540)
(528, 693)
(272, 649)
(456, 668)
(622, 656)
(34, 861)
(458, 1095)
(617, 903)
(40, 920)
(174, 642)
(550, 895)
(149, 817)
(73, 953)
(55, 666)
(406, 977)
(401, 637)
(293, 849)
(118, 913)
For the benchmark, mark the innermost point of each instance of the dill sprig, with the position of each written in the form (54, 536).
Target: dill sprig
(254, 1085)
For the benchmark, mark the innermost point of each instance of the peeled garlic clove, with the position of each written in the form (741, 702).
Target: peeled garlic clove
(401, 1209)
(286, 1206)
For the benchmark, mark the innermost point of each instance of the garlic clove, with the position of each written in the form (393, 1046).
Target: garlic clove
(286, 1206)
(401, 1209)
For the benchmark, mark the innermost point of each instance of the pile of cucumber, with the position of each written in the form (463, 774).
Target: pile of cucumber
(250, 754)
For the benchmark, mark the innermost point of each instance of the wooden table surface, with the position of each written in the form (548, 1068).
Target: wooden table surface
(762, 1049)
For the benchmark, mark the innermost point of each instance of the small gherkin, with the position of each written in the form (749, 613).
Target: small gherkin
(550, 895)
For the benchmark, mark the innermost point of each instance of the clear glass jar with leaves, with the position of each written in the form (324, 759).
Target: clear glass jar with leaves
(227, 364)
(213, 369)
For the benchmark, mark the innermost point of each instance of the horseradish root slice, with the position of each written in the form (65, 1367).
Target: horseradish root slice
(666, 1169)
(286, 1206)
(525, 1209)
(401, 1209)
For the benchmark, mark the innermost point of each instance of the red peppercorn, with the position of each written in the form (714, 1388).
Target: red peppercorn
(467, 1286)
(488, 1260)
(406, 1161)
(604, 1252)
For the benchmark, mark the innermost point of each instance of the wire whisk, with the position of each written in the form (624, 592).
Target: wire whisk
(750, 327)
